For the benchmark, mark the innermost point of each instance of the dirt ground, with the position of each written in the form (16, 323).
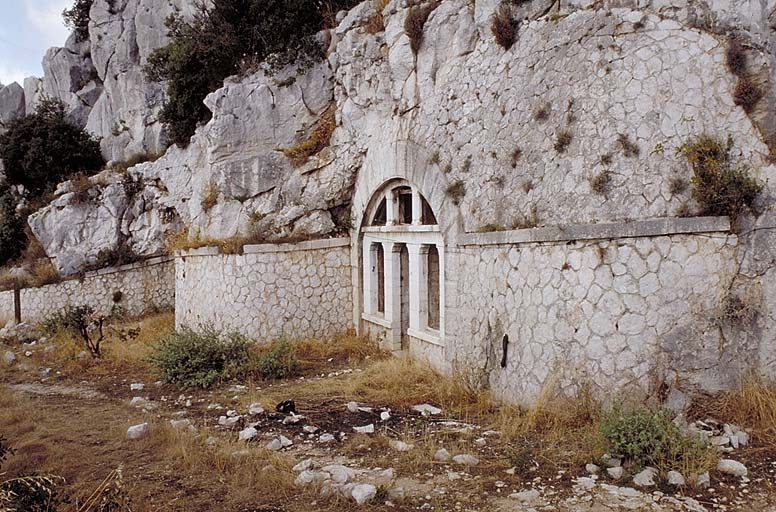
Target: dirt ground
(74, 424)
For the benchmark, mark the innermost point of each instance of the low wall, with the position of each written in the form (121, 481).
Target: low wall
(620, 306)
(144, 286)
(294, 290)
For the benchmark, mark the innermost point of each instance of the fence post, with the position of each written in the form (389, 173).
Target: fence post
(17, 304)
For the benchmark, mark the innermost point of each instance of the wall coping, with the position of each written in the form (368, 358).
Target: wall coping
(600, 231)
(150, 262)
(307, 245)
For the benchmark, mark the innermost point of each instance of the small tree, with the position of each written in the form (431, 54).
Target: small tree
(77, 19)
(12, 236)
(42, 149)
(83, 322)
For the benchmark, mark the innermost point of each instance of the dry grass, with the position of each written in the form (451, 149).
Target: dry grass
(563, 141)
(319, 139)
(601, 182)
(504, 27)
(456, 191)
(376, 22)
(209, 196)
(751, 405)
(747, 93)
(415, 23)
(629, 148)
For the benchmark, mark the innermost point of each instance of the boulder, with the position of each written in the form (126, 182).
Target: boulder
(9, 357)
(676, 478)
(248, 434)
(645, 478)
(732, 467)
(12, 103)
(466, 460)
(138, 431)
(442, 455)
(363, 493)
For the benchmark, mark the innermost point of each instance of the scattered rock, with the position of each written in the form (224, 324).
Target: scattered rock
(326, 438)
(138, 431)
(286, 406)
(592, 469)
(616, 472)
(248, 434)
(427, 410)
(293, 419)
(466, 460)
(310, 429)
(181, 424)
(481, 442)
(255, 409)
(366, 429)
(742, 438)
(703, 480)
(229, 421)
(136, 387)
(526, 496)
(137, 401)
(303, 466)
(339, 473)
(279, 443)
(352, 407)
(442, 455)
(676, 478)
(363, 493)
(9, 357)
(385, 416)
(400, 446)
(645, 478)
(308, 477)
(732, 467)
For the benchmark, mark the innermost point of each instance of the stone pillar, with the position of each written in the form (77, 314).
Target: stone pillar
(417, 208)
(417, 300)
(442, 280)
(392, 271)
(370, 276)
(391, 209)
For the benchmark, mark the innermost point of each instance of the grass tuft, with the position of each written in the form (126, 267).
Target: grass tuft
(504, 27)
(319, 139)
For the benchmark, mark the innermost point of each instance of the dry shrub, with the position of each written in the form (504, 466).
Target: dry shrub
(629, 148)
(122, 166)
(456, 191)
(601, 182)
(79, 186)
(504, 27)
(415, 23)
(319, 139)
(43, 272)
(677, 185)
(562, 141)
(747, 94)
(376, 22)
(735, 57)
(752, 405)
(718, 187)
(209, 196)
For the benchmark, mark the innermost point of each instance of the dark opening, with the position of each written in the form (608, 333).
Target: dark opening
(427, 215)
(405, 205)
(433, 287)
(380, 216)
(380, 278)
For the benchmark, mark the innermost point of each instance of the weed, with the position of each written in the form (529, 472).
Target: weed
(319, 139)
(735, 57)
(434, 158)
(684, 210)
(543, 112)
(488, 228)
(528, 221)
(516, 154)
(718, 187)
(209, 196)
(447, 169)
(600, 182)
(467, 164)
(606, 159)
(747, 94)
(504, 26)
(527, 186)
(562, 141)
(677, 185)
(629, 148)
(416, 22)
(456, 191)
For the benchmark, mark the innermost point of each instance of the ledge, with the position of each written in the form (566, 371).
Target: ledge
(376, 320)
(431, 337)
(401, 228)
(308, 245)
(573, 232)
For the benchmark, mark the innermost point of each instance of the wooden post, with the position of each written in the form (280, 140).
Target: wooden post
(17, 304)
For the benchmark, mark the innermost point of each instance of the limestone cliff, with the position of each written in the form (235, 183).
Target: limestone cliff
(511, 138)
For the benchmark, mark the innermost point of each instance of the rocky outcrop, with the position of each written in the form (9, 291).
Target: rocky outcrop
(588, 90)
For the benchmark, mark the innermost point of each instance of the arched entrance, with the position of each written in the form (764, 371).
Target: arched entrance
(402, 267)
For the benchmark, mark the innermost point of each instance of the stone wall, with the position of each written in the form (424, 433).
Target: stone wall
(145, 286)
(293, 290)
(665, 302)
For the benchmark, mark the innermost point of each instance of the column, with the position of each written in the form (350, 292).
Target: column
(391, 208)
(417, 208)
(369, 264)
(418, 302)
(392, 271)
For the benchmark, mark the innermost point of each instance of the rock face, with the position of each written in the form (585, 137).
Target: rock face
(624, 83)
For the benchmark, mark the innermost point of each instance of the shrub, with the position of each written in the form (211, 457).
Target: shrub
(542, 113)
(279, 362)
(215, 43)
(650, 437)
(677, 185)
(42, 149)
(718, 187)
(735, 57)
(747, 94)
(202, 359)
(456, 191)
(319, 139)
(209, 196)
(562, 141)
(77, 19)
(600, 182)
(415, 23)
(504, 27)
(629, 148)
(81, 321)
(12, 234)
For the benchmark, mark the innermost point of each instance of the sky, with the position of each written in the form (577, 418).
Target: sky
(27, 29)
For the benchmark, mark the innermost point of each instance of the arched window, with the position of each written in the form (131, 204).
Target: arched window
(403, 271)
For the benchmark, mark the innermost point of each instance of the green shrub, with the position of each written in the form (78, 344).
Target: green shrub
(13, 238)
(650, 437)
(77, 19)
(718, 186)
(220, 40)
(203, 359)
(82, 322)
(42, 149)
(279, 362)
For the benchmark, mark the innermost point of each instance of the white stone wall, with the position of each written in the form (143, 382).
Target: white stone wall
(293, 290)
(623, 314)
(145, 286)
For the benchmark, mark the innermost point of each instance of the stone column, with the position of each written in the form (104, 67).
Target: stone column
(442, 280)
(418, 303)
(370, 276)
(417, 208)
(391, 209)
(392, 287)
